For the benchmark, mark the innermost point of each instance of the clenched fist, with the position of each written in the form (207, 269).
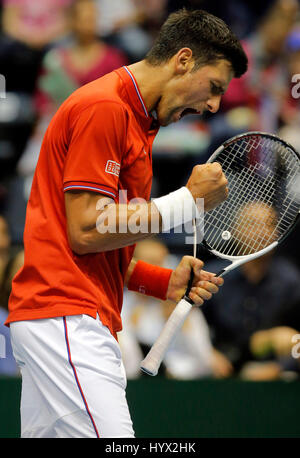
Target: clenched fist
(208, 182)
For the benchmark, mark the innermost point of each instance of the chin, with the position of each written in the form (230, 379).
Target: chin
(161, 122)
(164, 122)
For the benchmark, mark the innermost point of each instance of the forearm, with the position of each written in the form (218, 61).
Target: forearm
(96, 224)
(117, 226)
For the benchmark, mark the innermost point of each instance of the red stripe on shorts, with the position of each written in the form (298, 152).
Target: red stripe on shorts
(76, 378)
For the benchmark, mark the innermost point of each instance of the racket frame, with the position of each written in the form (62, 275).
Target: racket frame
(153, 359)
(221, 148)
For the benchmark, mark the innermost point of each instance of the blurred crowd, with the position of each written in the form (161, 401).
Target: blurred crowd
(50, 48)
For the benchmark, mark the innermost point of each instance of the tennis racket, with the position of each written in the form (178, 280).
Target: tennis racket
(261, 209)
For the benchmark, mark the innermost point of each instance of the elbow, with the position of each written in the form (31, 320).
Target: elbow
(85, 242)
(79, 242)
(78, 248)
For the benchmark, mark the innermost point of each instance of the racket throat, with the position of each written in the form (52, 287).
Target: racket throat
(237, 261)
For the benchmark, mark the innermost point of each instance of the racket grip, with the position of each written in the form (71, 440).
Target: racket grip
(152, 361)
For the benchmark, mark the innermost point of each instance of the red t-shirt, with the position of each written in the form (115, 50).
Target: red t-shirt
(100, 140)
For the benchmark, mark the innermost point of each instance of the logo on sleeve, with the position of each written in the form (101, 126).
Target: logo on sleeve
(113, 168)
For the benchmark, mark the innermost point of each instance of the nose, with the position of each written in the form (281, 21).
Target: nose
(213, 103)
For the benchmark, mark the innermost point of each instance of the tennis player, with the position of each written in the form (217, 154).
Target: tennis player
(96, 157)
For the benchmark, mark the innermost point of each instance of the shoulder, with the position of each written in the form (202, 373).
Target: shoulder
(101, 113)
(106, 87)
(103, 97)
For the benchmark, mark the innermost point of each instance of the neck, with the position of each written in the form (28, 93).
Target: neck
(151, 81)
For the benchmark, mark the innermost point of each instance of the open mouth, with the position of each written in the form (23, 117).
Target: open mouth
(188, 111)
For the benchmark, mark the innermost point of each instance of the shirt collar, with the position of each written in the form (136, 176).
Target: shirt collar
(135, 97)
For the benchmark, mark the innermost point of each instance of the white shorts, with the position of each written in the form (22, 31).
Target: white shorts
(73, 379)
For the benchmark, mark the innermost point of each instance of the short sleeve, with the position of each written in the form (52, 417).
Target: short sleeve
(96, 149)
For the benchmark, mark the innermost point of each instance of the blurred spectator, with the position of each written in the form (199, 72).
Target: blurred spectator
(240, 15)
(290, 107)
(131, 25)
(35, 23)
(8, 267)
(289, 117)
(252, 299)
(64, 69)
(189, 357)
(253, 102)
(28, 29)
(5, 243)
(1, 7)
(176, 149)
(276, 341)
(265, 48)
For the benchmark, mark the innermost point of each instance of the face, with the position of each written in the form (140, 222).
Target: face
(256, 227)
(193, 92)
(83, 21)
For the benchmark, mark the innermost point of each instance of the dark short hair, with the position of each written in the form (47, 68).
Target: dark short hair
(209, 38)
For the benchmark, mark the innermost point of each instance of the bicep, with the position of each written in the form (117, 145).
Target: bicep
(81, 213)
(96, 149)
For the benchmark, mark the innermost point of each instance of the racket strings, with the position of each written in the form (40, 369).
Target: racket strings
(262, 174)
(239, 188)
(257, 227)
(285, 217)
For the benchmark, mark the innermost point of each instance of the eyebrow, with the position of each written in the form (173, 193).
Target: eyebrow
(219, 85)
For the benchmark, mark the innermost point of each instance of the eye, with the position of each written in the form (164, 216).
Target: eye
(215, 89)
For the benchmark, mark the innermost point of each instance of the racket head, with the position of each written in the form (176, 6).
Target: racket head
(263, 202)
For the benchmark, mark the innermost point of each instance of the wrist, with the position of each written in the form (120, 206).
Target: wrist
(177, 208)
(150, 280)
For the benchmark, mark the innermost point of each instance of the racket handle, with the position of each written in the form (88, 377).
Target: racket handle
(153, 360)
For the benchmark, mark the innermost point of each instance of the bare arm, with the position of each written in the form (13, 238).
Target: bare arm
(95, 223)
(84, 238)
(88, 213)
(89, 233)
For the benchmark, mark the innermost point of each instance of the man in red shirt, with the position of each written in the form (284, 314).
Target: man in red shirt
(95, 159)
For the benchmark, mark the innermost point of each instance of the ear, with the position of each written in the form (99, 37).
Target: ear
(184, 61)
